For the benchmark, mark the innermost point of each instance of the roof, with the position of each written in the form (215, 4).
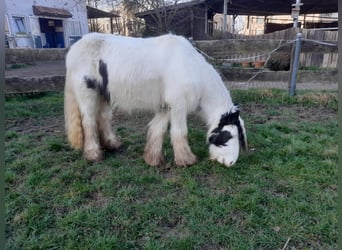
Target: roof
(273, 7)
(50, 12)
(171, 7)
(97, 13)
(258, 7)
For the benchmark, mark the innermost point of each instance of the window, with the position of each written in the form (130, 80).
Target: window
(51, 23)
(6, 25)
(19, 25)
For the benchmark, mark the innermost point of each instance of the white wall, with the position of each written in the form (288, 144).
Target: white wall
(23, 8)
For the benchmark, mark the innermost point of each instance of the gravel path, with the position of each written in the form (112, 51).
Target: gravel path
(57, 68)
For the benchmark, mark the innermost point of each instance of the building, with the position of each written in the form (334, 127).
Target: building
(200, 19)
(190, 19)
(103, 21)
(122, 21)
(44, 23)
(256, 25)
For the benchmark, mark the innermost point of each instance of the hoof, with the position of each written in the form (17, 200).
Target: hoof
(186, 161)
(154, 161)
(111, 144)
(93, 156)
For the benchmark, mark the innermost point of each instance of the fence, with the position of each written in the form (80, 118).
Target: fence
(289, 34)
(239, 48)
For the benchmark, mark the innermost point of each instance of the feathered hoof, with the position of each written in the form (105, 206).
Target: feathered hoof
(111, 145)
(189, 160)
(93, 155)
(154, 161)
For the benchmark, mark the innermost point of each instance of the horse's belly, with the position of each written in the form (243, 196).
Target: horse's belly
(146, 96)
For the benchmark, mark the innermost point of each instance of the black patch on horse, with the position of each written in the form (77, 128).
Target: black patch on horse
(102, 88)
(219, 138)
(229, 118)
(91, 83)
(241, 136)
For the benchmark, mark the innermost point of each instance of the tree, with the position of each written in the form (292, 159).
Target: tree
(162, 12)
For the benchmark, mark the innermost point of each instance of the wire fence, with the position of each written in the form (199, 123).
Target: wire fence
(266, 55)
(282, 43)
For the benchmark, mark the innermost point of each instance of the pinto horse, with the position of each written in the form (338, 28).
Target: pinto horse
(163, 74)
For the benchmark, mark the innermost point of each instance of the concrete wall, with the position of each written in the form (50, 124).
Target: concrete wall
(303, 76)
(29, 56)
(13, 56)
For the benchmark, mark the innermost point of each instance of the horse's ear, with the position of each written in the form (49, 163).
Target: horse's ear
(235, 109)
(234, 113)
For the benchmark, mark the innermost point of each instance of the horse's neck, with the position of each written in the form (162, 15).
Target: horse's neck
(215, 102)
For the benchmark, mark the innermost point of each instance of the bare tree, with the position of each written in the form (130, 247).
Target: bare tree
(93, 3)
(161, 12)
(109, 6)
(94, 26)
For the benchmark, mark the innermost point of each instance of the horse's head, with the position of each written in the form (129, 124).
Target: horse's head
(226, 139)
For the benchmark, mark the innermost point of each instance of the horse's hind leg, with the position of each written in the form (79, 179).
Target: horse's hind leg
(104, 118)
(89, 108)
(153, 155)
(179, 139)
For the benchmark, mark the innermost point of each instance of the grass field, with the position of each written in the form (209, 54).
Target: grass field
(282, 194)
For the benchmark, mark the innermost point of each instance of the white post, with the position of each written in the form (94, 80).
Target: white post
(206, 20)
(225, 4)
(295, 12)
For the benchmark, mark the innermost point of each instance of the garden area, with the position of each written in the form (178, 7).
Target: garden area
(281, 194)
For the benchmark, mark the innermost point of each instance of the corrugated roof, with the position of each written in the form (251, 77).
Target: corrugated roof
(97, 13)
(258, 7)
(50, 12)
(273, 7)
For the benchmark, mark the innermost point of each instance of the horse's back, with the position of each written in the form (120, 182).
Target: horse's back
(121, 50)
(143, 72)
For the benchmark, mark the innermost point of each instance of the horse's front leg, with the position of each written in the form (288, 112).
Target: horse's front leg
(153, 155)
(179, 138)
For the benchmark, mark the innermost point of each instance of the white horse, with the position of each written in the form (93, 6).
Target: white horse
(165, 75)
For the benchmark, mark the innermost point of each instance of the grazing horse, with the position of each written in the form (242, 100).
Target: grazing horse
(165, 75)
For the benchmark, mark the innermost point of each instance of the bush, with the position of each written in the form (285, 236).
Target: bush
(279, 61)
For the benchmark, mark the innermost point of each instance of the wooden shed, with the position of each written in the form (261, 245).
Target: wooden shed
(190, 19)
(195, 18)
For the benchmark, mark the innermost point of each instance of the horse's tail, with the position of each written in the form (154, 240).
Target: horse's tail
(72, 115)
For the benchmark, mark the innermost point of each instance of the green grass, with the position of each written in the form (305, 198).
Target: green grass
(284, 189)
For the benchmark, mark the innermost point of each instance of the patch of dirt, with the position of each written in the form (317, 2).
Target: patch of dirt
(260, 113)
(137, 120)
(49, 126)
(296, 113)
